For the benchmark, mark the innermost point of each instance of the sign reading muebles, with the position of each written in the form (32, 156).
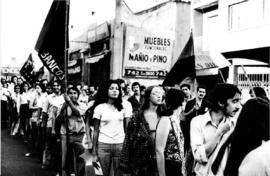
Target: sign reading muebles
(147, 55)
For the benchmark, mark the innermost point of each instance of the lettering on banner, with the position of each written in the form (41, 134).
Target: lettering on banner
(47, 58)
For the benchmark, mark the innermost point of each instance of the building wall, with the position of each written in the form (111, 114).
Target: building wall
(231, 25)
(244, 24)
(238, 25)
(173, 17)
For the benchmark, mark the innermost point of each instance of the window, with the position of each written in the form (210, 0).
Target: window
(248, 13)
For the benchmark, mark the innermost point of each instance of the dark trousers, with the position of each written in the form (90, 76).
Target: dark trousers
(75, 149)
(24, 120)
(173, 168)
(4, 114)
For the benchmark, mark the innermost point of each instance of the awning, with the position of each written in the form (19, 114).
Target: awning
(98, 33)
(258, 54)
(210, 60)
(205, 72)
(97, 57)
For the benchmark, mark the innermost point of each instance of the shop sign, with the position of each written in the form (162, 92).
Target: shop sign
(98, 33)
(10, 71)
(74, 67)
(209, 60)
(147, 54)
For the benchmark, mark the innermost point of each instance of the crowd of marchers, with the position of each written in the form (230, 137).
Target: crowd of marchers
(133, 130)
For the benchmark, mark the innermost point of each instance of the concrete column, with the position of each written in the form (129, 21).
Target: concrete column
(117, 43)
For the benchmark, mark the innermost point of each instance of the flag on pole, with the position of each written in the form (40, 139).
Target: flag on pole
(52, 42)
(27, 70)
(184, 66)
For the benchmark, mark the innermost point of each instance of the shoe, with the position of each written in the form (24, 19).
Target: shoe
(27, 154)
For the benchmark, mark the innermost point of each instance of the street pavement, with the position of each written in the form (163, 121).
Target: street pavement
(13, 161)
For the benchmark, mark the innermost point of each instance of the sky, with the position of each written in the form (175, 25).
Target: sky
(21, 22)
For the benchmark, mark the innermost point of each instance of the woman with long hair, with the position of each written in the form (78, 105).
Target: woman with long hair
(15, 110)
(169, 136)
(108, 120)
(24, 110)
(138, 156)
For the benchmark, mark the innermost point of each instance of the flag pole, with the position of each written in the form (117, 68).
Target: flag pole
(65, 79)
(66, 40)
(249, 82)
(222, 76)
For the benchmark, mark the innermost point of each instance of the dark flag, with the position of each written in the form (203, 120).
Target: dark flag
(184, 66)
(40, 73)
(53, 38)
(27, 70)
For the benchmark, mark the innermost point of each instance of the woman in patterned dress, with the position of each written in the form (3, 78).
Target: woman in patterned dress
(169, 137)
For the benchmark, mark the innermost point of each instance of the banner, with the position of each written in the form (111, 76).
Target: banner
(27, 70)
(147, 54)
(51, 46)
(184, 66)
(75, 67)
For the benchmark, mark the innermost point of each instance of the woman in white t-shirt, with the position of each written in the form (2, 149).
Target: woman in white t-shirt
(109, 133)
(24, 110)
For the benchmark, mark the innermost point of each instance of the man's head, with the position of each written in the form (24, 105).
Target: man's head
(92, 89)
(226, 97)
(186, 89)
(14, 79)
(136, 88)
(56, 86)
(201, 91)
(73, 94)
(20, 80)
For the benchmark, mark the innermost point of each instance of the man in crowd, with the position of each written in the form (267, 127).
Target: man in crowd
(136, 99)
(71, 115)
(209, 131)
(126, 104)
(194, 107)
(50, 110)
(187, 90)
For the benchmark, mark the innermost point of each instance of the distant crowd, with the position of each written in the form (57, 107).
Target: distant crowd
(134, 130)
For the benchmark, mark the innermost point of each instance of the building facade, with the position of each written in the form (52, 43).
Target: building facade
(238, 29)
(137, 45)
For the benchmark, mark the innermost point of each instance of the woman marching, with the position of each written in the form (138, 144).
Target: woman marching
(138, 155)
(109, 117)
(169, 137)
(24, 111)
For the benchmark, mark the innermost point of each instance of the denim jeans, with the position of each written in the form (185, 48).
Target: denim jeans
(76, 148)
(109, 154)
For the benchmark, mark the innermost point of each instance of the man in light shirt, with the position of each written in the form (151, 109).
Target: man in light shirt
(209, 131)
(50, 111)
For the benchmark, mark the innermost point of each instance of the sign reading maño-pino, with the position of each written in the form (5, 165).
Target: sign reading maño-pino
(147, 55)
